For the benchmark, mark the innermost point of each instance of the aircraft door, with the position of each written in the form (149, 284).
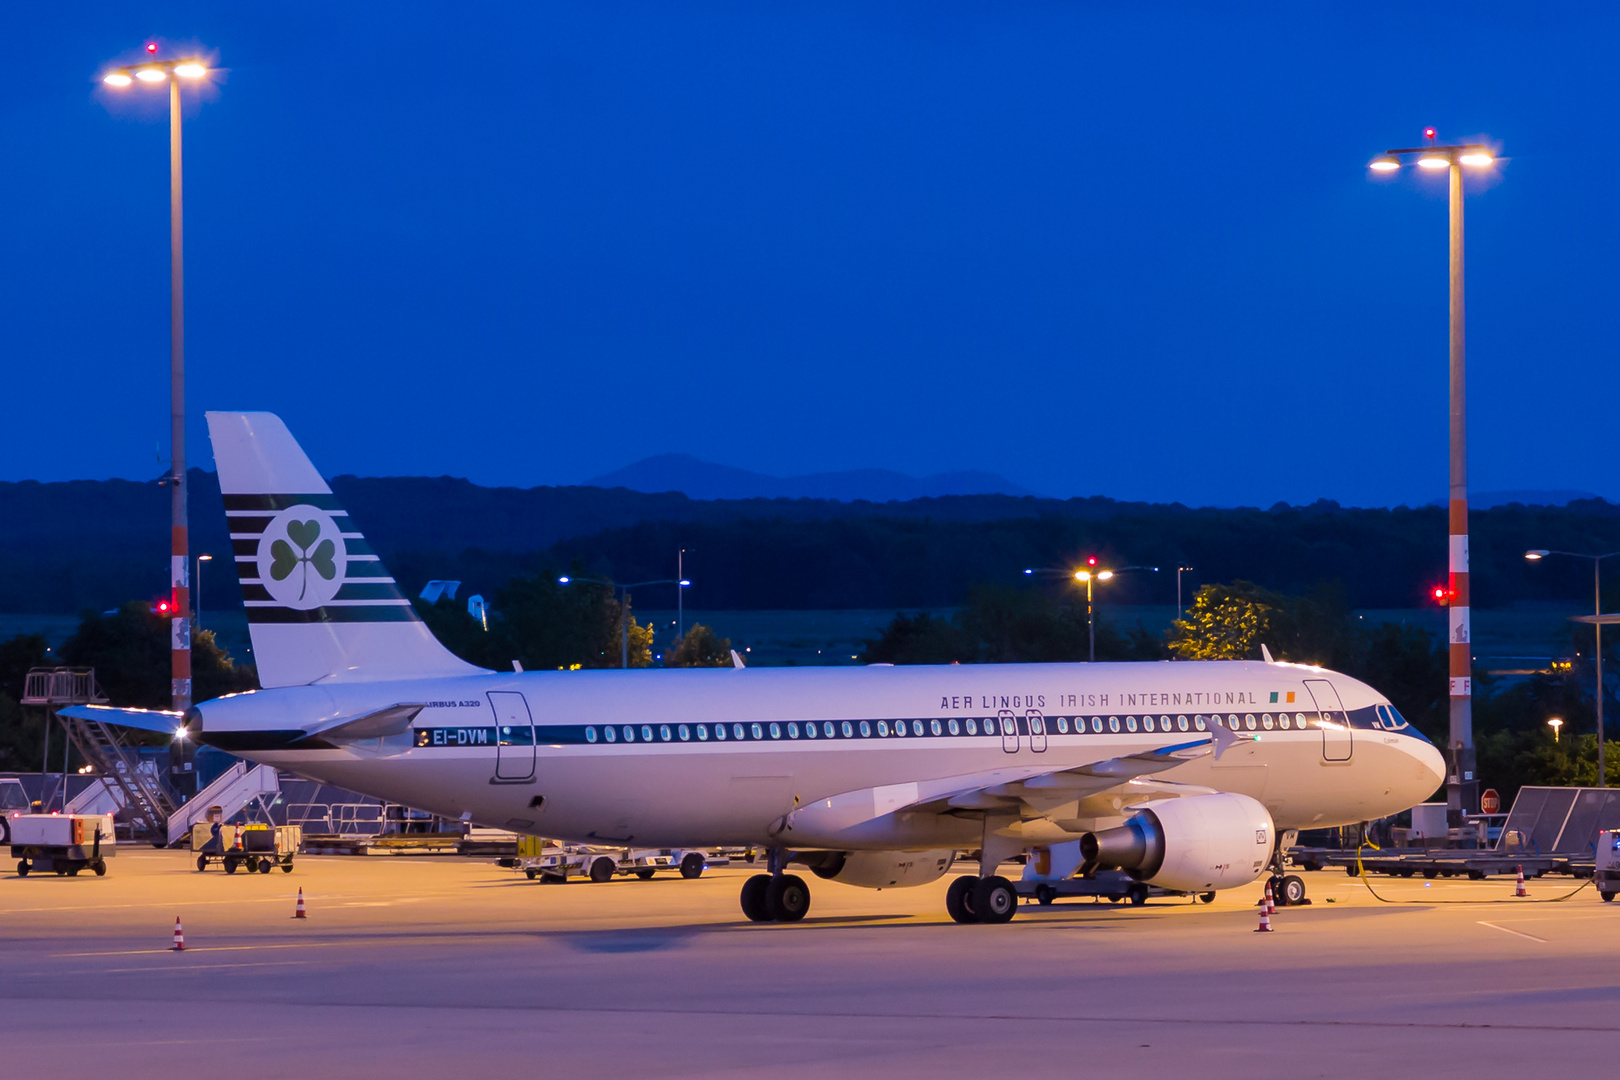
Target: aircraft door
(1338, 742)
(1009, 730)
(1037, 730)
(514, 736)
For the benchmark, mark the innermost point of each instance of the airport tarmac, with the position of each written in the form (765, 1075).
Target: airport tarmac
(415, 966)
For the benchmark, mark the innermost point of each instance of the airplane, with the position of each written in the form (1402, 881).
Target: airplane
(1188, 775)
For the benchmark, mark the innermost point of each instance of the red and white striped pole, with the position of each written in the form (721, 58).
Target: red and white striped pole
(1462, 787)
(179, 551)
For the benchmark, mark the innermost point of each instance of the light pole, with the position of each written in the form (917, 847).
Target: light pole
(624, 605)
(197, 595)
(1462, 788)
(1087, 575)
(1557, 725)
(153, 72)
(1181, 612)
(680, 595)
(1536, 555)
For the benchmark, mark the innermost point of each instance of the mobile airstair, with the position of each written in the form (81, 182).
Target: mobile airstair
(240, 787)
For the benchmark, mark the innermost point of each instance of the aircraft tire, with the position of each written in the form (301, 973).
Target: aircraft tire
(959, 898)
(1293, 890)
(995, 900)
(753, 898)
(787, 898)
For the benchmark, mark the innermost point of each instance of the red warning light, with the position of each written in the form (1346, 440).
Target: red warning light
(1428, 133)
(1091, 560)
(151, 46)
(1441, 594)
(163, 605)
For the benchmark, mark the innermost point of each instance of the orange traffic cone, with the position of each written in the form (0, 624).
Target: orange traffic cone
(1271, 900)
(179, 936)
(1265, 920)
(1519, 889)
(298, 912)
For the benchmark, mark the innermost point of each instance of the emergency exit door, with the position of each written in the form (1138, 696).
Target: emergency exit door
(514, 736)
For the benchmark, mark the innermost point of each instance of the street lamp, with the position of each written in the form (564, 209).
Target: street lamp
(1536, 555)
(1556, 724)
(1181, 612)
(624, 605)
(1087, 575)
(1461, 786)
(152, 72)
(198, 594)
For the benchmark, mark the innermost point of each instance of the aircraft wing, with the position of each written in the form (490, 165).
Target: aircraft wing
(163, 721)
(1026, 792)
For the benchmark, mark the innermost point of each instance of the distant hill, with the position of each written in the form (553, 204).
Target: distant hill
(705, 480)
(1485, 500)
(95, 544)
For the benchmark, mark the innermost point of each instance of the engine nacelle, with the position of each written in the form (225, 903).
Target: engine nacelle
(880, 869)
(1196, 844)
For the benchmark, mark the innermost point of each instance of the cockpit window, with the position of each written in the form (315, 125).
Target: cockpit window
(1393, 720)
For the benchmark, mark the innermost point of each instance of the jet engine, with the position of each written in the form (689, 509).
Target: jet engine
(1195, 844)
(879, 869)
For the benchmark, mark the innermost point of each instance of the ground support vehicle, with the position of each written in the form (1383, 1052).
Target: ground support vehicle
(557, 862)
(13, 800)
(65, 843)
(1055, 871)
(1606, 871)
(1475, 865)
(250, 847)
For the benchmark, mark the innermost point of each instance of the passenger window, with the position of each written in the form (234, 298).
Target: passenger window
(1130, 723)
(917, 727)
(1265, 721)
(810, 730)
(883, 727)
(1096, 723)
(663, 732)
(849, 731)
(1234, 723)
(972, 726)
(866, 730)
(646, 733)
(720, 732)
(1181, 722)
(737, 731)
(1299, 721)
(1113, 723)
(684, 732)
(934, 726)
(629, 733)
(793, 731)
(954, 727)
(1250, 722)
(1200, 723)
(1282, 721)
(1037, 726)
(1063, 725)
(899, 727)
(703, 733)
(590, 734)
(609, 732)
(827, 729)
(1008, 726)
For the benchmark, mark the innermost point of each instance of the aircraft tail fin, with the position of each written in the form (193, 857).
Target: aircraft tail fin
(320, 605)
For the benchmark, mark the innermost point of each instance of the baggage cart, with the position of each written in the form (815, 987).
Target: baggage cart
(64, 843)
(249, 847)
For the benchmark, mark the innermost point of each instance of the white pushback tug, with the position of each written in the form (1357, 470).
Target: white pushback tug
(1183, 774)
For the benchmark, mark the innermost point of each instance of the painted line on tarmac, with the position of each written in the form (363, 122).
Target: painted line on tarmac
(1515, 933)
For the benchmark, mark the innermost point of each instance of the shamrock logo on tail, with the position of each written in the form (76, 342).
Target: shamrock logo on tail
(284, 560)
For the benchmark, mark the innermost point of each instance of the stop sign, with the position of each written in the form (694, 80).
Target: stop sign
(1490, 802)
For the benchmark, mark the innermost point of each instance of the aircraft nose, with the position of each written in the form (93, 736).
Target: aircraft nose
(1431, 767)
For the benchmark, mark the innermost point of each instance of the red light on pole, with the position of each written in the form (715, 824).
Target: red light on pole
(1428, 133)
(1091, 560)
(1441, 594)
(151, 46)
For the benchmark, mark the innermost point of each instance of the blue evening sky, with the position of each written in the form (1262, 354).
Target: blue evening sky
(1129, 250)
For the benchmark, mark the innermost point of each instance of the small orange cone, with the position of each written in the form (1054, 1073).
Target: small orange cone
(1265, 913)
(1519, 889)
(298, 912)
(1271, 900)
(179, 936)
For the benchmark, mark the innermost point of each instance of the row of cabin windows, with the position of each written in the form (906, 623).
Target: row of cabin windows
(900, 728)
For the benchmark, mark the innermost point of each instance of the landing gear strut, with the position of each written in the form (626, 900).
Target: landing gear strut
(1287, 890)
(776, 896)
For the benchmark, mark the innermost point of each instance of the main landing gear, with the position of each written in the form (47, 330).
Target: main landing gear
(776, 896)
(1287, 890)
(981, 900)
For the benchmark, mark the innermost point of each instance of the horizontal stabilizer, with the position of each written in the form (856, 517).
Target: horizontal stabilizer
(163, 721)
(394, 720)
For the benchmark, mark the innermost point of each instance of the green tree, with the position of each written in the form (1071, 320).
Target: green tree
(1227, 622)
(699, 647)
(130, 651)
(20, 744)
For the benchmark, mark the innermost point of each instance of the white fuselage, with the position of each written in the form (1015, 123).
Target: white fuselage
(469, 751)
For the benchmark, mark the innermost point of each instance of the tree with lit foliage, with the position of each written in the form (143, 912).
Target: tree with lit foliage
(699, 647)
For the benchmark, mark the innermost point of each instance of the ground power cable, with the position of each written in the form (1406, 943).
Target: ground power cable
(1361, 871)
